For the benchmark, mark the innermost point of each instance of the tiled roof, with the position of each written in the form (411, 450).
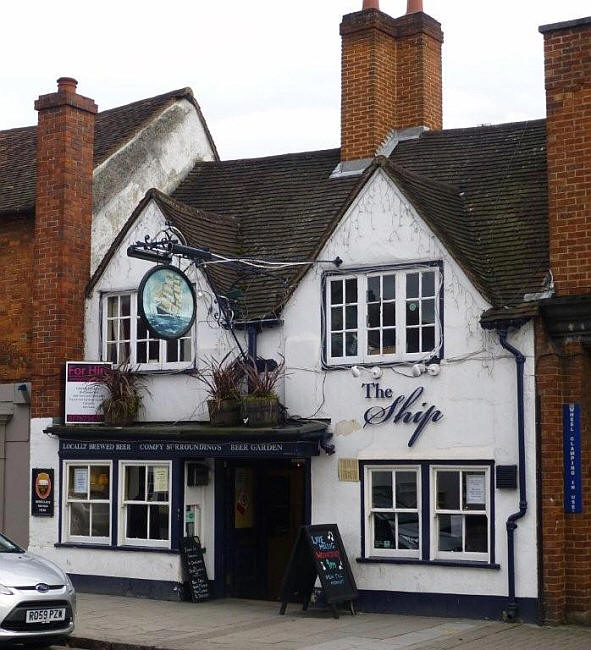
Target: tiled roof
(482, 190)
(113, 129)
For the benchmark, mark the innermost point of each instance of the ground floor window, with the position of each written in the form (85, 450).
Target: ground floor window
(429, 511)
(88, 502)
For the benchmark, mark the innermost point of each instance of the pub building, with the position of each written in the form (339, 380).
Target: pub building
(399, 279)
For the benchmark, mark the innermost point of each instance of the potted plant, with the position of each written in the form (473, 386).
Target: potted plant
(124, 386)
(222, 382)
(260, 408)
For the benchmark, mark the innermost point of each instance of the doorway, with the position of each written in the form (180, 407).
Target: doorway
(265, 504)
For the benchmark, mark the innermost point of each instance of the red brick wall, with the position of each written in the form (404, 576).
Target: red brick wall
(568, 103)
(391, 78)
(16, 275)
(63, 218)
(562, 373)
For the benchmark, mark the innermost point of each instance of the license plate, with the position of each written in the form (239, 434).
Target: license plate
(46, 615)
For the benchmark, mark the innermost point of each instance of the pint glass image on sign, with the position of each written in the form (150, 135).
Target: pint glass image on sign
(166, 302)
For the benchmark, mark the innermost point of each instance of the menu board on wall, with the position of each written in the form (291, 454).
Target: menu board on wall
(318, 552)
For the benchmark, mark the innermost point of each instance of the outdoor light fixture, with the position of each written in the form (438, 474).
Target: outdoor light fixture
(355, 371)
(418, 369)
(433, 369)
(376, 372)
(149, 254)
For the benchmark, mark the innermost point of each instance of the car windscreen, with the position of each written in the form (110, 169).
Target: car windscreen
(6, 546)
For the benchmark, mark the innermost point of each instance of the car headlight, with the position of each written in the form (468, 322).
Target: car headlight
(69, 585)
(5, 591)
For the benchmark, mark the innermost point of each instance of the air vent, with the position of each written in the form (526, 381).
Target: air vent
(507, 477)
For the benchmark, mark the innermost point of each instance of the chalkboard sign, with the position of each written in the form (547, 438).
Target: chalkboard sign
(194, 568)
(318, 552)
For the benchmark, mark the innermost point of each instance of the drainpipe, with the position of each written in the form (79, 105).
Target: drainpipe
(512, 607)
(252, 331)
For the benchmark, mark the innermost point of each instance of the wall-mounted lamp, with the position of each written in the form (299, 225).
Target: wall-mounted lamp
(433, 369)
(355, 371)
(418, 369)
(376, 372)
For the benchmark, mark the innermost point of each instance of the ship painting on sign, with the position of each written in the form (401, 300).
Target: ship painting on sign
(167, 302)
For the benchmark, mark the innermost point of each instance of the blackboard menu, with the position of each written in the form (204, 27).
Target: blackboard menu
(194, 568)
(318, 551)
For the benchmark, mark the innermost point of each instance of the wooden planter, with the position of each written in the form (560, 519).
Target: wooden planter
(260, 411)
(224, 413)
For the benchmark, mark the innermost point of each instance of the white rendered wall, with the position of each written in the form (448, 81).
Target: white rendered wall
(476, 392)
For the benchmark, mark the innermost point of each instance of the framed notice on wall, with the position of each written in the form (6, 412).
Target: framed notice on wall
(42, 492)
(83, 394)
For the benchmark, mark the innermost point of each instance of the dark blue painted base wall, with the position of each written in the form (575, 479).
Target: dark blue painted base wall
(133, 587)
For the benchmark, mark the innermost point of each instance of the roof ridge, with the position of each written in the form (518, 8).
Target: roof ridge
(482, 127)
(270, 157)
(172, 94)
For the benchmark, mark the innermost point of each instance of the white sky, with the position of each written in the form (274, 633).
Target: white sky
(266, 73)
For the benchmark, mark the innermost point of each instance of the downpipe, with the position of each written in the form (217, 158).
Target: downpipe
(510, 614)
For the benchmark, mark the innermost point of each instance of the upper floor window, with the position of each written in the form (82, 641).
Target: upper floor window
(125, 336)
(390, 315)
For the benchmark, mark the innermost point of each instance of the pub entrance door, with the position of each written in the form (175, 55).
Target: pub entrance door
(265, 506)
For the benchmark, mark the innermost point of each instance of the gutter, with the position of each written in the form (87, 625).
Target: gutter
(511, 611)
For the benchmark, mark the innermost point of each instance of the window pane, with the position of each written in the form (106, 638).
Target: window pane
(124, 329)
(428, 312)
(351, 316)
(373, 289)
(408, 530)
(112, 330)
(154, 347)
(384, 530)
(450, 533)
(185, 349)
(474, 490)
(135, 483)
(78, 482)
(100, 519)
(351, 290)
(428, 339)
(412, 313)
(124, 351)
(448, 490)
(172, 350)
(158, 483)
(428, 284)
(373, 315)
(373, 342)
(406, 489)
(336, 292)
(99, 481)
(142, 330)
(351, 344)
(412, 285)
(389, 314)
(113, 306)
(336, 318)
(112, 352)
(79, 518)
(336, 345)
(137, 521)
(389, 341)
(141, 352)
(389, 287)
(412, 340)
(477, 533)
(381, 489)
(158, 522)
(125, 305)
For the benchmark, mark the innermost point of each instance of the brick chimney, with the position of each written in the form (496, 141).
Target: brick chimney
(391, 76)
(567, 53)
(63, 217)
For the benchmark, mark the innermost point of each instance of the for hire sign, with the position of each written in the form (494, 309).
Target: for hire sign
(402, 409)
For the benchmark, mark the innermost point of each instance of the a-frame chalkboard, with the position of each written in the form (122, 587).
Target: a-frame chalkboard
(318, 552)
(194, 568)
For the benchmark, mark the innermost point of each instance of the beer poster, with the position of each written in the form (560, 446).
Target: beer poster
(42, 493)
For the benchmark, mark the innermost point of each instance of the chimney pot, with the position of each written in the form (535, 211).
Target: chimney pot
(371, 4)
(413, 6)
(66, 85)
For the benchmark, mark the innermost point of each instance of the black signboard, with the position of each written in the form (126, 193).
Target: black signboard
(194, 568)
(42, 492)
(318, 552)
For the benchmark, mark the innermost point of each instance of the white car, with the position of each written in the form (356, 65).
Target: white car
(37, 599)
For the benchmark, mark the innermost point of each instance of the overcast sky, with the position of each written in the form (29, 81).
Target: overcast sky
(266, 73)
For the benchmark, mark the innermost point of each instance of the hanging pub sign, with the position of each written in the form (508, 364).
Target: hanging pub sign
(166, 301)
(42, 492)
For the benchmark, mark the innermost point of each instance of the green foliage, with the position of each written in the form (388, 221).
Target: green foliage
(125, 386)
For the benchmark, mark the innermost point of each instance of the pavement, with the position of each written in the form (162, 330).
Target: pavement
(121, 623)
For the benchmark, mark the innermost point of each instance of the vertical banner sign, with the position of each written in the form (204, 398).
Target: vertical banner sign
(42, 492)
(573, 501)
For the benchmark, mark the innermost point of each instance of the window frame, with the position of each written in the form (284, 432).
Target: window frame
(133, 336)
(66, 500)
(427, 519)
(362, 275)
(125, 541)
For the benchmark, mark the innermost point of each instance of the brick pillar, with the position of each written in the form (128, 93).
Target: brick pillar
(61, 258)
(567, 51)
(390, 78)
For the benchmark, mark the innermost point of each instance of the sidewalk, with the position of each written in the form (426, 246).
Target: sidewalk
(117, 623)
